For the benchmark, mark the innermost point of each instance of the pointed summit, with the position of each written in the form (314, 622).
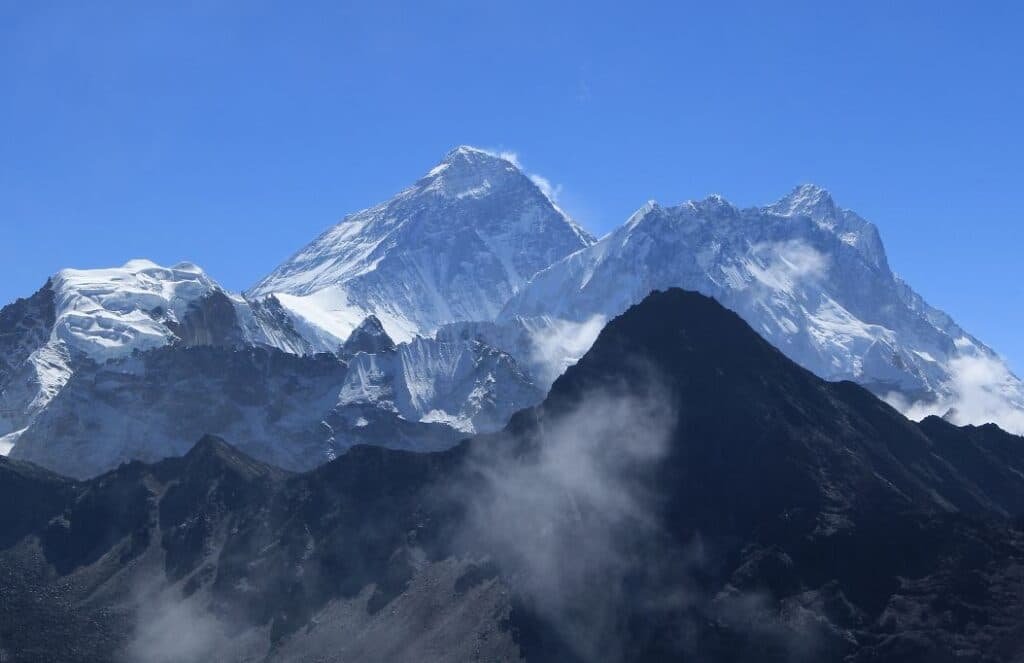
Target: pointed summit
(368, 337)
(468, 158)
(475, 155)
(453, 247)
(806, 200)
(212, 455)
(468, 171)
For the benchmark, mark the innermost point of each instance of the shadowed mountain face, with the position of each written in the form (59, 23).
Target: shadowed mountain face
(685, 492)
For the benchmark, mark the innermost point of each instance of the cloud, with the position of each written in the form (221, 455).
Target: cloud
(981, 390)
(560, 519)
(784, 265)
(573, 520)
(172, 629)
(560, 344)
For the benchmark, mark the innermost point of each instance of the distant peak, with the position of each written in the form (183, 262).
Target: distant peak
(809, 189)
(638, 216)
(466, 167)
(369, 337)
(716, 200)
(805, 199)
(469, 150)
(475, 156)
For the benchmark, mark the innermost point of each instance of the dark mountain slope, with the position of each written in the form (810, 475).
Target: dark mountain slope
(684, 493)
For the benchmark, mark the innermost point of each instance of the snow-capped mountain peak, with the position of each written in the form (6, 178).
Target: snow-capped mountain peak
(368, 337)
(807, 274)
(467, 171)
(805, 200)
(454, 246)
(814, 202)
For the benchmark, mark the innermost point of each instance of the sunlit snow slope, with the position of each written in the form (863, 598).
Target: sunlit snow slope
(454, 246)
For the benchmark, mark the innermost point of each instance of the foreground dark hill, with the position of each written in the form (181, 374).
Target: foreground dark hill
(685, 492)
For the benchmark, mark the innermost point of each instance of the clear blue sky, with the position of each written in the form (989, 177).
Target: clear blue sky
(230, 134)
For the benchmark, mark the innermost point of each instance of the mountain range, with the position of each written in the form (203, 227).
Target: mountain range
(684, 492)
(441, 312)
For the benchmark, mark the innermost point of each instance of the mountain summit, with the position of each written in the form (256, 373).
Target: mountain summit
(808, 275)
(454, 246)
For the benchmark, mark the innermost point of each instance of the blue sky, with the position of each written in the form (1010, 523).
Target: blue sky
(230, 134)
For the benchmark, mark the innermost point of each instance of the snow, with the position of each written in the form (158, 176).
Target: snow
(325, 314)
(811, 277)
(8, 441)
(477, 253)
(442, 417)
(452, 247)
(109, 313)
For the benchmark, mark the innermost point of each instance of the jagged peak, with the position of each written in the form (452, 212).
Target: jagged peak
(805, 200)
(466, 158)
(371, 324)
(715, 201)
(471, 152)
(369, 336)
(470, 172)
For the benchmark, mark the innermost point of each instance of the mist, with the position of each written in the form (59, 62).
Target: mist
(560, 519)
(980, 392)
(171, 628)
(560, 343)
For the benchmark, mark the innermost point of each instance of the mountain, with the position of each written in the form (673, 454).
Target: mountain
(295, 412)
(453, 305)
(808, 275)
(101, 367)
(454, 246)
(84, 317)
(685, 492)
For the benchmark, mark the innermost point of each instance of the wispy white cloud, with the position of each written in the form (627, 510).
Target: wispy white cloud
(560, 518)
(561, 343)
(981, 390)
(784, 265)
